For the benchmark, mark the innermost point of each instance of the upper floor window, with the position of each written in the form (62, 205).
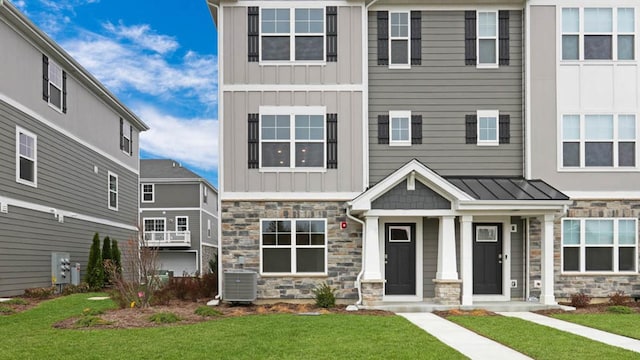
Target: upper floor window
(293, 246)
(598, 34)
(399, 38)
(487, 38)
(205, 194)
(603, 140)
(399, 49)
(400, 128)
(126, 136)
(26, 157)
(182, 223)
(113, 191)
(292, 34)
(54, 84)
(148, 192)
(486, 35)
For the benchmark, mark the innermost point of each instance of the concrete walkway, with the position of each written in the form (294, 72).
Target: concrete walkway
(465, 341)
(593, 334)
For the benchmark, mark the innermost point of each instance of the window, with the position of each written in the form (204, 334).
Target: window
(205, 194)
(605, 32)
(154, 229)
(208, 227)
(126, 134)
(182, 223)
(54, 84)
(488, 127)
(113, 191)
(293, 246)
(599, 141)
(400, 128)
(148, 193)
(292, 34)
(292, 138)
(26, 157)
(487, 38)
(599, 245)
(399, 45)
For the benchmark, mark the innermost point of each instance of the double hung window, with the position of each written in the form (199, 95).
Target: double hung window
(487, 38)
(399, 49)
(148, 193)
(113, 191)
(26, 157)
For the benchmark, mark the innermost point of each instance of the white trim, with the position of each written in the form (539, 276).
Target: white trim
(365, 95)
(527, 95)
(495, 38)
(34, 183)
(505, 221)
(176, 222)
(288, 196)
(415, 213)
(142, 210)
(488, 114)
(292, 87)
(117, 190)
(153, 193)
(63, 213)
(208, 228)
(602, 195)
(419, 242)
(446, 6)
(209, 213)
(64, 132)
(399, 114)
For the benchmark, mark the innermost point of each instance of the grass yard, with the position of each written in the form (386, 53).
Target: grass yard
(29, 335)
(540, 342)
(621, 324)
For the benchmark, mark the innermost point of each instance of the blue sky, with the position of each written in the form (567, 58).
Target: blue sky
(158, 57)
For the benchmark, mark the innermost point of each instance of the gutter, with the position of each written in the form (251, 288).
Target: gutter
(358, 283)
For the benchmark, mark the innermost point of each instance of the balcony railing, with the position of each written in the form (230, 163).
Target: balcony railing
(167, 238)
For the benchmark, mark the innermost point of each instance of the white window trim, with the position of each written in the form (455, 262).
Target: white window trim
(126, 134)
(292, 35)
(180, 217)
(582, 141)
(144, 220)
(399, 114)
(488, 113)
(294, 247)
(153, 193)
(398, 227)
(208, 228)
(19, 180)
(292, 111)
(205, 194)
(407, 38)
(52, 105)
(495, 38)
(615, 246)
(109, 191)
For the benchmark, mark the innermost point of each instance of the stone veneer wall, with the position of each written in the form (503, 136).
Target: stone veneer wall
(241, 237)
(208, 252)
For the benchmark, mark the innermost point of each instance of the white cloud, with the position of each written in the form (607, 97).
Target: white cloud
(142, 36)
(191, 141)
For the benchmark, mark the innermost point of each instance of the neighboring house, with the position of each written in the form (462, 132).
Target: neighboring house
(388, 150)
(583, 120)
(178, 216)
(68, 160)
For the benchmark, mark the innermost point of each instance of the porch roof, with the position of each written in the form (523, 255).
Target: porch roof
(505, 188)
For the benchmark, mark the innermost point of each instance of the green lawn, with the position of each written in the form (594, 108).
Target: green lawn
(621, 324)
(540, 342)
(29, 335)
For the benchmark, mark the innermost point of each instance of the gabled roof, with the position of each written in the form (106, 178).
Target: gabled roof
(167, 170)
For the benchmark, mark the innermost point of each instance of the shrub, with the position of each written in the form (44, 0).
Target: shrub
(164, 318)
(39, 293)
(580, 300)
(5, 310)
(95, 268)
(324, 295)
(116, 256)
(619, 298)
(191, 288)
(619, 309)
(75, 289)
(206, 311)
(16, 301)
(90, 321)
(106, 259)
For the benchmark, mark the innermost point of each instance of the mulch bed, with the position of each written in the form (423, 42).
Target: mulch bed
(589, 309)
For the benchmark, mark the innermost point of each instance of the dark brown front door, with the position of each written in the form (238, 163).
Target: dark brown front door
(487, 259)
(400, 259)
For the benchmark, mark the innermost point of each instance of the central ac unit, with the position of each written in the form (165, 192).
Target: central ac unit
(240, 286)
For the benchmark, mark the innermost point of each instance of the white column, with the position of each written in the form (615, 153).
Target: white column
(547, 297)
(372, 258)
(447, 250)
(466, 259)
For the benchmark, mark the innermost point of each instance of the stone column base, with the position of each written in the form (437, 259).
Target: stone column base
(372, 291)
(447, 291)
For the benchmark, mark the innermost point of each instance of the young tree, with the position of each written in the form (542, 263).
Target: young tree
(106, 259)
(116, 256)
(95, 268)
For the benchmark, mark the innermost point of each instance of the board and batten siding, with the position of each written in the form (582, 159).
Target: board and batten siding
(518, 259)
(443, 90)
(238, 70)
(170, 222)
(238, 177)
(65, 173)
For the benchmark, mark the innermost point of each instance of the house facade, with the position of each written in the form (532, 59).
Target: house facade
(178, 216)
(69, 160)
(389, 149)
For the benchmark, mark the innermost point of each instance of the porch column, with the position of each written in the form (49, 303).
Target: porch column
(372, 269)
(466, 259)
(447, 250)
(547, 297)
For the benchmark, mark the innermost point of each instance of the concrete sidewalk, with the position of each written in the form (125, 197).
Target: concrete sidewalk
(465, 341)
(593, 334)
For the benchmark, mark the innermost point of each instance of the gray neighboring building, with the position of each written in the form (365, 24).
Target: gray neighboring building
(179, 216)
(69, 161)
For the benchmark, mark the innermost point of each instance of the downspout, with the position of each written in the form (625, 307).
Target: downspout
(358, 283)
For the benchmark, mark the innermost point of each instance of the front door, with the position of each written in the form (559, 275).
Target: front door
(400, 259)
(487, 259)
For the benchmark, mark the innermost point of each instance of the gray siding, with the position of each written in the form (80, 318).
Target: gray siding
(443, 90)
(237, 69)
(66, 177)
(518, 258)
(27, 239)
(213, 238)
(167, 195)
(420, 198)
(212, 203)
(430, 256)
(170, 223)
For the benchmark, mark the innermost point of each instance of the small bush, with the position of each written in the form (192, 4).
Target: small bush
(206, 311)
(190, 288)
(580, 300)
(164, 318)
(75, 289)
(619, 298)
(90, 321)
(325, 296)
(39, 293)
(619, 309)
(5, 310)
(92, 312)
(16, 301)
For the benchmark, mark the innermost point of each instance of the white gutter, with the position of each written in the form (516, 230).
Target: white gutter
(358, 284)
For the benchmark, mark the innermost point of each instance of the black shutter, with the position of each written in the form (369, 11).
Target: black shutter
(503, 36)
(416, 38)
(332, 33)
(254, 141)
(45, 78)
(383, 129)
(64, 92)
(130, 139)
(121, 134)
(471, 125)
(253, 31)
(383, 38)
(416, 129)
(470, 37)
(332, 141)
(505, 129)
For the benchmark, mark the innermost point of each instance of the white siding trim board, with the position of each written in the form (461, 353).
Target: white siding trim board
(276, 196)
